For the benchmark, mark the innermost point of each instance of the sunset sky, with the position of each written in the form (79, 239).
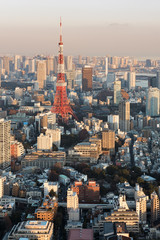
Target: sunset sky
(90, 27)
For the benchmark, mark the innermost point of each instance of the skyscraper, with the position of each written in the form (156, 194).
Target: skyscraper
(152, 102)
(124, 116)
(158, 79)
(68, 63)
(131, 80)
(117, 92)
(49, 65)
(155, 212)
(17, 62)
(41, 73)
(79, 59)
(6, 64)
(1, 186)
(86, 78)
(5, 152)
(106, 66)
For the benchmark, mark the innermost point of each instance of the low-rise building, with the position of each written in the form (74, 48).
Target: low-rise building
(47, 210)
(39, 230)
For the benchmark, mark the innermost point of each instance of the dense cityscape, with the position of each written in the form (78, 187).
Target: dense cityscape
(79, 147)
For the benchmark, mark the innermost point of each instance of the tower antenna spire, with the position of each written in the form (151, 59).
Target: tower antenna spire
(61, 104)
(60, 29)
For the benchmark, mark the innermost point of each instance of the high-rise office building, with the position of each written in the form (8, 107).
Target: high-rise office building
(117, 92)
(1, 186)
(49, 65)
(124, 116)
(131, 80)
(152, 102)
(155, 211)
(6, 64)
(108, 140)
(55, 64)
(17, 62)
(70, 75)
(87, 78)
(106, 66)
(79, 59)
(87, 60)
(5, 151)
(41, 73)
(148, 62)
(32, 66)
(68, 63)
(158, 79)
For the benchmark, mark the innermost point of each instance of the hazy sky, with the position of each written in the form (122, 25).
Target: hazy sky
(90, 27)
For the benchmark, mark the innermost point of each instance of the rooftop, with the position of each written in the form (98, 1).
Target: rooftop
(80, 234)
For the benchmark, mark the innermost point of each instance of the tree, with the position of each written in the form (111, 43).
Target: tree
(54, 148)
(52, 193)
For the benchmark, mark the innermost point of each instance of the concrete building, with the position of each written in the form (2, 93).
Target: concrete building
(80, 234)
(68, 63)
(113, 121)
(108, 140)
(86, 78)
(56, 136)
(87, 193)
(152, 102)
(85, 151)
(1, 186)
(6, 64)
(17, 150)
(70, 75)
(98, 142)
(47, 211)
(158, 79)
(32, 230)
(43, 159)
(49, 65)
(141, 209)
(124, 116)
(44, 142)
(117, 92)
(18, 93)
(106, 66)
(5, 151)
(141, 204)
(155, 211)
(131, 80)
(48, 186)
(41, 73)
(72, 205)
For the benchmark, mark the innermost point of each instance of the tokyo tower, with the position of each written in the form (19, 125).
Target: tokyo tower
(61, 104)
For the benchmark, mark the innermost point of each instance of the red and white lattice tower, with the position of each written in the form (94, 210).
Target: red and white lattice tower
(61, 104)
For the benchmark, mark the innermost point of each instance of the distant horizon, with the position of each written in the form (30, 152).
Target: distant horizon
(90, 28)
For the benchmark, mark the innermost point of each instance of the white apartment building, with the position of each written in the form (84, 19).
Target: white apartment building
(56, 136)
(72, 205)
(44, 142)
(113, 121)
